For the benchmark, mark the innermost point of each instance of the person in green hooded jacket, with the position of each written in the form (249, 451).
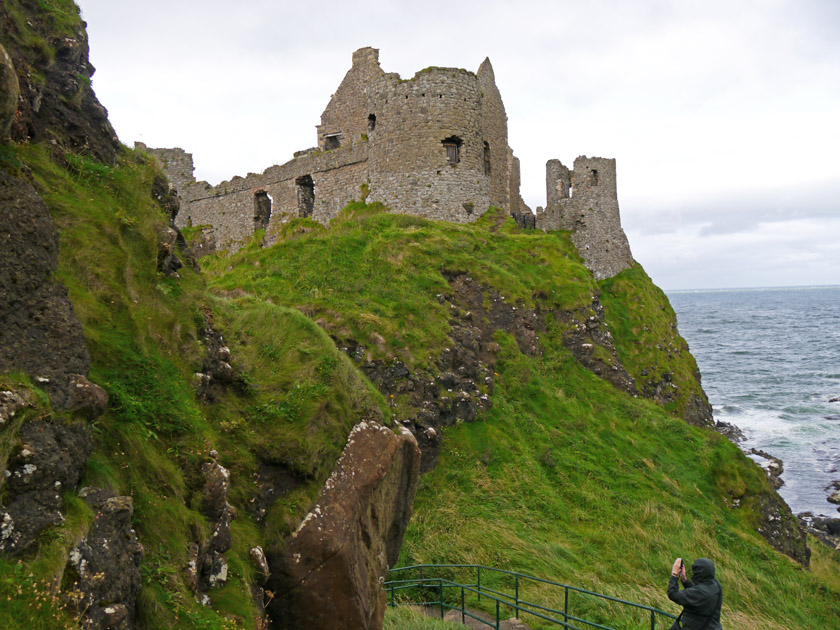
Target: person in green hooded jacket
(701, 597)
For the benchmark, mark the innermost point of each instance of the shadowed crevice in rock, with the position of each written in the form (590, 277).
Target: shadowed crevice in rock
(274, 479)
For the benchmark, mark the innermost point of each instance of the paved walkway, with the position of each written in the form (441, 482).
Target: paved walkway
(454, 616)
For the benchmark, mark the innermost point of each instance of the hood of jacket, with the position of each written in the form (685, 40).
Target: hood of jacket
(703, 570)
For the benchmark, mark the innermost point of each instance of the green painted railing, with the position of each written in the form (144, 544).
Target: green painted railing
(431, 584)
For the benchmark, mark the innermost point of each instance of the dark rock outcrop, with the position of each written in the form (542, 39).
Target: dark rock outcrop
(216, 373)
(56, 99)
(208, 567)
(698, 411)
(330, 573)
(731, 432)
(588, 338)
(166, 195)
(105, 566)
(49, 460)
(169, 242)
(39, 332)
(460, 388)
(834, 492)
(772, 467)
(212, 564)
(826, 529)
(780, 528)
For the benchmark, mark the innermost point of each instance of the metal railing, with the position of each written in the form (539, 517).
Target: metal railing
(443, 588)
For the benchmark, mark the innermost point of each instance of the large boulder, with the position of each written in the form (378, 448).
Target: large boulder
(330, 573)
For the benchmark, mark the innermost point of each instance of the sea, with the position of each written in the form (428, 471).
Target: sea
(770, 364)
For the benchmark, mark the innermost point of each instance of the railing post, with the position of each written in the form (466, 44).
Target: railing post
(479, 583)
(497, 614)
(652, 620)
(463, 618)
(566, 605)
(517, 596)
(440, 586)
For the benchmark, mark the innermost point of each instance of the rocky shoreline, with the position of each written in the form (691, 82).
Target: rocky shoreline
(825, 528)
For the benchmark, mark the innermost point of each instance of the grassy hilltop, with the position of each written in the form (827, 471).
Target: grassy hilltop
(549, 465)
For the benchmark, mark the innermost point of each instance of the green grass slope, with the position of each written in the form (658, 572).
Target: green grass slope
(565, 477)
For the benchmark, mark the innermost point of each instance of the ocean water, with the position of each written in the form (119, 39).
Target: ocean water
(770, 362)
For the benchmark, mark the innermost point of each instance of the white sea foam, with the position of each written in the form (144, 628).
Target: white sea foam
(769, 365)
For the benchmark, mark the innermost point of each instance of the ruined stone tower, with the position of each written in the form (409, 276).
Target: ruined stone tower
(585, 201)
(435, 146)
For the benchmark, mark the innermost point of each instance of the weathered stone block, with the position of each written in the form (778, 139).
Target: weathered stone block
(329, 576)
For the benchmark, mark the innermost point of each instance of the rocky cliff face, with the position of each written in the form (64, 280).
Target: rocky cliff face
(39, 333)
(46, 95)
(48, 49)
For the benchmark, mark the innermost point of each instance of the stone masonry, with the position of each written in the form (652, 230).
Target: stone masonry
(434, 146)
(585, 201)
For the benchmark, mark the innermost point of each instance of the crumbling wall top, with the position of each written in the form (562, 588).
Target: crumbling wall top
(345, 119)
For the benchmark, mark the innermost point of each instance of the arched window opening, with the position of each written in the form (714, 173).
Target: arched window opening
(594, 177)
(452, 144)
(487, 166)
(305, 195)
(262, 209)
(371, 122)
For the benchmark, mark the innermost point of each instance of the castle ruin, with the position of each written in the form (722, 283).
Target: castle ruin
(434, 146)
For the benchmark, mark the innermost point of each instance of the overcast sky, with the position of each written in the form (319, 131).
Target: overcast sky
(724, 116)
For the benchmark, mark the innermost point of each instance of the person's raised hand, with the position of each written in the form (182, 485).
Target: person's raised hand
(678, 569)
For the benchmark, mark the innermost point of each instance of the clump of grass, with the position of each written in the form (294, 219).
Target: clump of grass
(410, 618)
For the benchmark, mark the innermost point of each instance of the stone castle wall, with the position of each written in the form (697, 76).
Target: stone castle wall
(410, 167)
(435, 145)
(585, 201)
(495, 134)
(346, 114)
